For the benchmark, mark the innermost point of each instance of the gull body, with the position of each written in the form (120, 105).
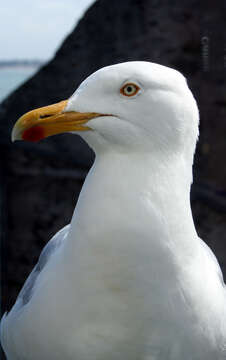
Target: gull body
(129, 278)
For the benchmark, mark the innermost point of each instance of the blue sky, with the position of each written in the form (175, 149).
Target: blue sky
(35, 29)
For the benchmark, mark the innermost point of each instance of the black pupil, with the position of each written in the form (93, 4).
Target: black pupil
(129, 89)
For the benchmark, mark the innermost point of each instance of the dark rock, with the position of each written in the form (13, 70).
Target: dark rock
(40, 183)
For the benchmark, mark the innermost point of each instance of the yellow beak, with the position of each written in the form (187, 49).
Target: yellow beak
(50, 120)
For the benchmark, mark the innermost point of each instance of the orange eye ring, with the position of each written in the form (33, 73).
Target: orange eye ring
(129, 89)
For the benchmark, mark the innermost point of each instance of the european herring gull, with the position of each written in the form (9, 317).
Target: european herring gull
(129, 278)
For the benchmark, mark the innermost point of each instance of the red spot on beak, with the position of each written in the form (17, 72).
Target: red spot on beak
(33, 134)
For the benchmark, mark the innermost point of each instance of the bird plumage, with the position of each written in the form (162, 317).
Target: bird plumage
(130, 278)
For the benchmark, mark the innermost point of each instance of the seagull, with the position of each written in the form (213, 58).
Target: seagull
(128, 278)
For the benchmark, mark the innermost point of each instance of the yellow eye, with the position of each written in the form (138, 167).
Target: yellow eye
(129, 89)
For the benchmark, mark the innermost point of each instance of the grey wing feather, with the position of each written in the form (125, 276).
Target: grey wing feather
(27, 290)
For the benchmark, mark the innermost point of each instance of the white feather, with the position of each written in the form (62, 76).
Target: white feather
(131, 280)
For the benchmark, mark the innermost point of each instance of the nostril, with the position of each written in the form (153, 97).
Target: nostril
(44, 116)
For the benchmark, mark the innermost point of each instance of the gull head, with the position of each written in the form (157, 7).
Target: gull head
(134, 106)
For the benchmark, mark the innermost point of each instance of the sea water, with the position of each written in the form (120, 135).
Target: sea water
(12, 77)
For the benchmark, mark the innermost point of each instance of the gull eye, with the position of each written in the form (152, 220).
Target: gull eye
(129, 89)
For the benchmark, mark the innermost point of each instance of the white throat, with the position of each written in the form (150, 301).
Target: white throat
(136, 193)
